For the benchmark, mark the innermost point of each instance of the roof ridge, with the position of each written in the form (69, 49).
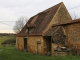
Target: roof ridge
(41, 21)
(70, 22)
(51, 11)
(46, 9)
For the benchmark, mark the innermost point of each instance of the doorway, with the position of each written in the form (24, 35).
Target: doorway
(25, 43)
(38, 47)
(47, 45)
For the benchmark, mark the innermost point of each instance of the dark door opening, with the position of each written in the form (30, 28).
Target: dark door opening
(25, 43)
(47, 41)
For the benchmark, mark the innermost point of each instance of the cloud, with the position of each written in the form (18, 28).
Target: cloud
(6, 14)
(6, 31)
(11, 10)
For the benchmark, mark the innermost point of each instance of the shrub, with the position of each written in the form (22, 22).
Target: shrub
(9, 41)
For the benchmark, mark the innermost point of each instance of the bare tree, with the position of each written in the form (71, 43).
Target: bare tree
(19, 24)
(74, 16)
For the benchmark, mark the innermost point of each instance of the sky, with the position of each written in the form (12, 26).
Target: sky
(12, 10)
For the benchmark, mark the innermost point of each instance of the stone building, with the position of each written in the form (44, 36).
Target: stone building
(51, 32)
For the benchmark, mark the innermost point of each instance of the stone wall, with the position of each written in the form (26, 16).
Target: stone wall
(33, 42)
(55, 47)
(74, 37)
(74, 33)
(61, 16)
(19, 43)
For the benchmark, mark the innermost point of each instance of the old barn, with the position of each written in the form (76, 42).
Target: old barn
(51, 32)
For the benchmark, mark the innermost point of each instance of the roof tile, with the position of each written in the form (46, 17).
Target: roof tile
(41, 21)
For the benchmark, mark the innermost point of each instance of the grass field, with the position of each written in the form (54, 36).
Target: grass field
(3, 38)
(10, 53)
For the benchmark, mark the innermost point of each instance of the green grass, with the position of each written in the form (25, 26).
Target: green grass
(10, 53)
(3, 38)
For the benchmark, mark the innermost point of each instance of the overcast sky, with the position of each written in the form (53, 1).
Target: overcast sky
(12, 10)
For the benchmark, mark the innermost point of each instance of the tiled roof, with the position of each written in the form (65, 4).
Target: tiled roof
(57, 26)
(23, 32)
(57, 34)
(67, 23)
(51, 31)
(40, 21)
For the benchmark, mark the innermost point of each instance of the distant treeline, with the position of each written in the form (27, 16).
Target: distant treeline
(7, 34)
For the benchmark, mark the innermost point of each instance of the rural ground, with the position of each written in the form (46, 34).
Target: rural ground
(11, 53)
